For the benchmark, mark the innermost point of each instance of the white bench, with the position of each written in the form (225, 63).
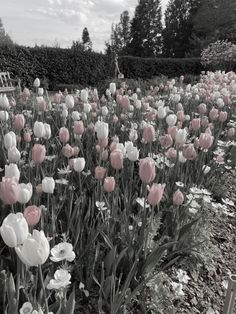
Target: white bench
(6, 85)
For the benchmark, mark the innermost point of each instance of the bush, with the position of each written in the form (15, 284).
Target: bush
(134, 67)
(219, 55)
(56, 65)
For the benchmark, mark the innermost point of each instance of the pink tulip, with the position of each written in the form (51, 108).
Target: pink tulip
(206, 140)
(149, 133)
(79, 127)
(155, 194)
(171, 153)
(67, 151)
(214, 114)
(147, 170)
(223, 116)
(172, 130)
(116, 158)
(100, 173)
(119, 99)
(196, 124)
(64, 135)
(9, 190)
(109, 184)
(231, 132)
(19, 121)
(57, 98)
(27, 137)
(166, 141)
(180, 115)
(113, 146)
(38, 153)
(103, 142)
(115, 119)
(189, 152)
(178, 198)
(125, 102)
(105, 155)
(76, 151)
(32, 215)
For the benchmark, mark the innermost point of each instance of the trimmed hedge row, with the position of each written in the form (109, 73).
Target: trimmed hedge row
(60, 67)
(134, 67)
(56, 65)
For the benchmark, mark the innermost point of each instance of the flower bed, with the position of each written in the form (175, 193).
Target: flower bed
(101, 196)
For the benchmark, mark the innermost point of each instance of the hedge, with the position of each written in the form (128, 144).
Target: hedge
(67, 67)
(133, 67)
(56, 65)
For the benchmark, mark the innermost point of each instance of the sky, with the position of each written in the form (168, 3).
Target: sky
(47, 22)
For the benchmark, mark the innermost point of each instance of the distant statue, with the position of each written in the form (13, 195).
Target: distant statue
(117, 70)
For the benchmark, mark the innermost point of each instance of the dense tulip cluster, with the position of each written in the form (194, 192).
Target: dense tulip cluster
(104, 174)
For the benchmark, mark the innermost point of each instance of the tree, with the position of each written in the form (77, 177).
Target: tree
(5, 39)
(87, 43)
(178, 30)
(120, 35)
(216, 19)
(146, 29)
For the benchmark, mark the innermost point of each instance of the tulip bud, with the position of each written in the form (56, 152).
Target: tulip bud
(79, 164)
(147, 170)
(100, 173)
(109, 184)
(4, 116)
(48, 185)
(116, 158)
(84, 95)
(133, 154)
(25, 193)
(206, 140)
(14, 229)
(32, 215)
(9, 140)
(64, 135)
(178, 198)
(70, 102)
(171, 119)
(38, 153)
(13, 155)
(112, 88)
(78, 127)
(35, 249)
(101, 129)
(12, 171)
(149, 133)
(39, 129)
(155, 194)
(181, 137)
(48, 131)
(36, 82)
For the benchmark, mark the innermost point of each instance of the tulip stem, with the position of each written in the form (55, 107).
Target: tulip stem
(43, 287)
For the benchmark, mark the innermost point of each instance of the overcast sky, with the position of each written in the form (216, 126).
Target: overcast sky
(31, 22)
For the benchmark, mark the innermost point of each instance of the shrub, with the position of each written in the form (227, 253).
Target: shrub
(219, 55)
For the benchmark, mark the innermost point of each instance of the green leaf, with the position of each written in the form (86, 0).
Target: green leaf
(70, 305)
(186, 228)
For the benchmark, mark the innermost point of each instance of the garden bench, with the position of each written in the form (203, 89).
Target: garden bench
(6, 85)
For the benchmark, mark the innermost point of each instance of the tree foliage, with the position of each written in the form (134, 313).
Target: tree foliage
(87, 43)
(5, 39)
(146, 29)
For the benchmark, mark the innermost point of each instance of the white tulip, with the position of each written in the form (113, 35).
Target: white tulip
(105, 111)
(182, 159)
(79, 164)
(40, 91)
(102, 130)
(64, 113)
(70, 102)
(112, 88)
(4, 102)
(39, 129)
(84, 95)
(75, 115)
(48, 185)
(25, 193)
(133, 154)
(181, 136)
(161, 112)
(87, 107)
(138, 104)
(14, 229)
(4, 116)
(12, 171)
(36, 82)
(171, 119)
(35, 249)
(9, 140)
(48, 131)
(13, 155)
